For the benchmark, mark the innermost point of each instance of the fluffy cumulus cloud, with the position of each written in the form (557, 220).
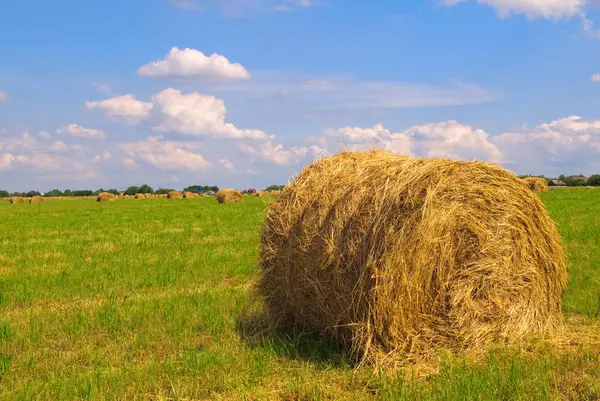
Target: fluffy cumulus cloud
(549, 9)
(596, 77)
(165, 154)
(226, 164)
(172, 111)
(26, 150)
(124, 108)
(192, 63)
(543, 149)
(82, 132)
(277, 154)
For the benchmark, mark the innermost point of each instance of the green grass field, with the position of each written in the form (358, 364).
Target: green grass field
(141, 299)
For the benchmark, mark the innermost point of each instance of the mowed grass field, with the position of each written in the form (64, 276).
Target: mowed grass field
(148, 299)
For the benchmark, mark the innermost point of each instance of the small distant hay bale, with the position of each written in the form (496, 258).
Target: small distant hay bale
(536, 184)
(175, 195)
(260, 193)
(106, 197)
(16, 200)
(36, 199)
(230, 196)
(140, 196)
(396, 257)
(275, 192)
(188, 195)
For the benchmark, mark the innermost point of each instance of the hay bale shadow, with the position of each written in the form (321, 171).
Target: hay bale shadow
(291, 342)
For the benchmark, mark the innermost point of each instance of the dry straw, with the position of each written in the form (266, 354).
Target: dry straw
(140, 196)
(536, 184)
(106, 197)
(397, 257)
(16, 201)
(36, 199)
(229, 196)
(175, 195)
(188, 195)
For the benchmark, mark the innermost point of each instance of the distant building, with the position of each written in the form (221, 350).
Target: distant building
(557, 183)
(579, 177)
(251, 191)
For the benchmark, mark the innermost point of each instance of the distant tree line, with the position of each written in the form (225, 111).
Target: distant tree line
(132, 190)
(593, 180)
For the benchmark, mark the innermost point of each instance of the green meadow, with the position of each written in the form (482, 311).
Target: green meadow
(148, 299)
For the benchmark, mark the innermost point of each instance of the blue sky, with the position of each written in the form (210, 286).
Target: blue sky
(244, 93)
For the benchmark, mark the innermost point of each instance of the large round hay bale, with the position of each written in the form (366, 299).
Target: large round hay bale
(536, 184)
(230, 196)
(140, 196)
(106, 197)
(189, 195)
(36, 199)
(395, 256)
(16, 200)
(175, 195)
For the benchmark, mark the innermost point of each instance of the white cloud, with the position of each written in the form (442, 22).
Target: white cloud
(357, 138)
(166, 155)
(44, 135)
(277, 154)
(6, 159)
(82, 132)
(128, 161)
(124, 108)
(103, 157)
(444, 139)
(59, 146)
(453, 140)
(189, 63)
(3, 96)
(184, 4)
(226, 163)
(172, 111)
(595, 77)
(548, 9)
(196, 115)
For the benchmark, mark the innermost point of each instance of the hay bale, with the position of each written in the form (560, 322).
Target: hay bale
(230, 196)
(189, 195)
(275, 192)
(16, 200)
(106, 197)
(396, 256)
(36, 199)
(140, 196)
(260, 193)
(175, 195)
(536, 184)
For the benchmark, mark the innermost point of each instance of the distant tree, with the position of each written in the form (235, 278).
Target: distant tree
(98, 191)
(132, 190)
(594, 180)
(571, 182)
(54, 192)
(4, 194)
(112, 191)
(82, 192)
(32, 193)
(201, 188)
(163, 191)
(146, 189)
(68, 192)
(274, 187)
